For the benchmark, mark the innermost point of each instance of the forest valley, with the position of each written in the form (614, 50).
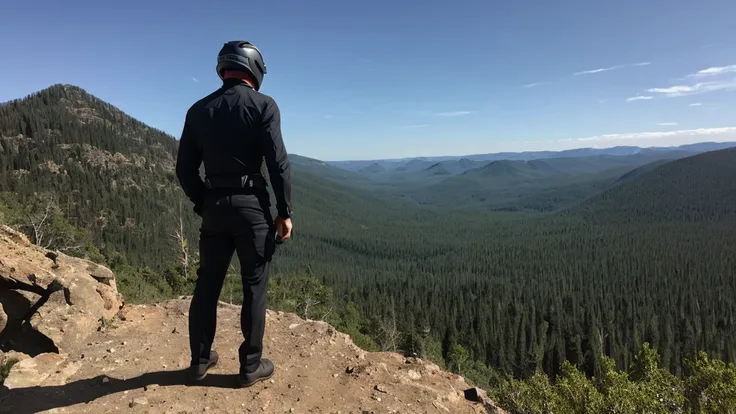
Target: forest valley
(607, 295)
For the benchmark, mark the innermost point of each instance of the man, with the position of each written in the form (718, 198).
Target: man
(231, 131)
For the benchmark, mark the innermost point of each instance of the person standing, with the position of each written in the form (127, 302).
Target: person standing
(232, 131)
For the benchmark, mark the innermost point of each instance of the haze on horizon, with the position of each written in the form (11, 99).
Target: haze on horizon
(355, 82)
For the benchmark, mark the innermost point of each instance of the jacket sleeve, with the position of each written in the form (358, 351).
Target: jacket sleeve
(188, 161)
(277, 160)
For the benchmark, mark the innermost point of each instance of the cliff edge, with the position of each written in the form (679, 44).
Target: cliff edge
(73, 346)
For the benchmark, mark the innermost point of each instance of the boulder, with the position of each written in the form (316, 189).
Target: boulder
(59, 296)
(34, 371)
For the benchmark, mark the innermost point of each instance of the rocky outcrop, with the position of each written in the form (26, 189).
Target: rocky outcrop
(50, 302)
(139, 364)
(73, 347)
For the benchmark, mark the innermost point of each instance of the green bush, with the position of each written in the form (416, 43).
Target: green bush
(709, 386)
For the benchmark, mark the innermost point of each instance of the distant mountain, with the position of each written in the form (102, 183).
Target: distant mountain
(532, 155)
(598, 163)
(534, 185)
(507, 173)
(437, 169)
(699, 147)
(373, 168)
(467, 164)
(415, 165)
(460, 166)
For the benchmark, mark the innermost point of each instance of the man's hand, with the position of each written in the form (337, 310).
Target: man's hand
(283, 228)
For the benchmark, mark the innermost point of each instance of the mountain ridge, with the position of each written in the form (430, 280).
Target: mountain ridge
(493, 156)
(533, 155)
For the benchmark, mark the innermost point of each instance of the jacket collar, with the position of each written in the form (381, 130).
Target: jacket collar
(230, 82)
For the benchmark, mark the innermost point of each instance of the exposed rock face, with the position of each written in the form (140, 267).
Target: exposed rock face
(50, 302)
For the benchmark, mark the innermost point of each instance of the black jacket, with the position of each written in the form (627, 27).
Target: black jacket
(232, 130)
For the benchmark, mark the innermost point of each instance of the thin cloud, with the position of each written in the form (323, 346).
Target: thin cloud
(195, 79)
(701, 87)
(588, 72)
(656, 135)
(715, 82)
(667, 123)
(531, 85)
(453, 113)
(610, 68)
(714, 71)
(696, 104)
(639, 98)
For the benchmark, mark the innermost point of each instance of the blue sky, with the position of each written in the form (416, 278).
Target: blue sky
(390, 79)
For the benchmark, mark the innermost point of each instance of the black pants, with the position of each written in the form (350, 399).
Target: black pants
(242, 223)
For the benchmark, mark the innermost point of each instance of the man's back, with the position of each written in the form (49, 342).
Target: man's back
(231, 131)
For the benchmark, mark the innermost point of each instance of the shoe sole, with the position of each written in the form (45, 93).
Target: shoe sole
(201, 377)
(250, 384)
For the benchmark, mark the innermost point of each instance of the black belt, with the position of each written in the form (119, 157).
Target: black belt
(230, 181)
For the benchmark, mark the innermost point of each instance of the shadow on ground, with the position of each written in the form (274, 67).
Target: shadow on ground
(34, 399)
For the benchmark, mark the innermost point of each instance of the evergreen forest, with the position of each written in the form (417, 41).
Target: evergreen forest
(557, 290)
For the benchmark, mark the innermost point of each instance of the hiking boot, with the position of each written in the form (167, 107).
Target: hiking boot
(263, 372)
(199, 371)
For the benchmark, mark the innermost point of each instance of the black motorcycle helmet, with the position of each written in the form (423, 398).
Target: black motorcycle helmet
(242, 55)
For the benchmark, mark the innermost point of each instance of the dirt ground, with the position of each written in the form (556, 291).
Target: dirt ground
(138, 365)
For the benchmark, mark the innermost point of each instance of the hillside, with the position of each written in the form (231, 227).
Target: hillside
(111, 176)
(639, 171)
(673, 192)
(109, 184)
